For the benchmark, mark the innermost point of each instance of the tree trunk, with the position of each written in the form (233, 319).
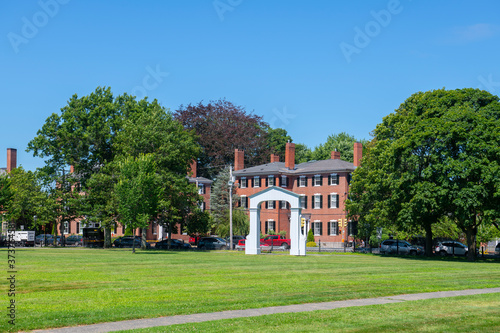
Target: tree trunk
(143, 238)
(428, 239)
(107, 237)
(133, 240)
(470, 232)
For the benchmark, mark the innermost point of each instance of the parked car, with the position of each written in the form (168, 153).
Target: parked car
(49, 239)
(212, 243)
(497, 249)
(236, 239)
(451, 248)
(241, 246)
(393, 246)
(75, 240)
(193, 240)
(127, 241)
(175, 244)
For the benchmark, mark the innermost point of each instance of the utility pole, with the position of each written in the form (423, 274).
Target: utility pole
(230, 183)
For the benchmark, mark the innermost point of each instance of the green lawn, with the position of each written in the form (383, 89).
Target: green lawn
(478, 313)
(66, 287)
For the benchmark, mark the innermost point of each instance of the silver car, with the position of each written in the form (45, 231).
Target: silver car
(451, 248)
(393, 246)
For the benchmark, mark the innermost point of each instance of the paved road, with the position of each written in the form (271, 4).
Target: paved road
(200, 317)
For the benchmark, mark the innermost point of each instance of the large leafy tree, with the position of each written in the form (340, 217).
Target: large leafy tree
(83, 135)
(223, 127)
(436, 156)
(137, 192)
(154, 131)
(342, 142)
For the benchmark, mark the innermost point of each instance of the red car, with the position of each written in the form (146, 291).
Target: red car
(193, 240)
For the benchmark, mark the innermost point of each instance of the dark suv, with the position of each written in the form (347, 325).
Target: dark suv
(212, 243)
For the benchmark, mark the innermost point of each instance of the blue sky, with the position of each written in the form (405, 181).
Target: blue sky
(314, 68)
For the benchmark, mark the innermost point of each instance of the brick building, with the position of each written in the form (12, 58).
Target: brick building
(323, 187)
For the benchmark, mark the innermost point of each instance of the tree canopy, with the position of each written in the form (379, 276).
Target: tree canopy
(437, 155)
(223, 127)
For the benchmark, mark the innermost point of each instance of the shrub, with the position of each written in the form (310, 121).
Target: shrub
(311, 244)
(310, 236)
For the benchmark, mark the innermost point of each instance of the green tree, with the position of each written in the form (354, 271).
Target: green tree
(342, 142)
(302, 153)
(276, 141)
(155, 131)
(137, 192)
(436, 156)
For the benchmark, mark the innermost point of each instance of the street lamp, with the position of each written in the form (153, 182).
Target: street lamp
(230, 183)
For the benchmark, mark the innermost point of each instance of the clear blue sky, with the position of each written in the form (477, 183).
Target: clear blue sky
(314, 68)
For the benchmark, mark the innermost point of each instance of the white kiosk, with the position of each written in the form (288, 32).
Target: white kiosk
(297, 236)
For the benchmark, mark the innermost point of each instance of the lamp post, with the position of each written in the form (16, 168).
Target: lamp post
(230, 183)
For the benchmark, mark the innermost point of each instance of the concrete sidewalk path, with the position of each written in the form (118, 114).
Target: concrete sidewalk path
(200, 317)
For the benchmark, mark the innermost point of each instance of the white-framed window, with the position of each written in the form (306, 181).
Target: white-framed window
(270, 225)
(284, 181)
(333, 179)
(202, 206)
(283, 204)
(318, 180)
(66, 228)
(333, 200)
(244, 201)
(153, 227)
(270, 181)
(201, 189)
(302, 181)
(256, 181)
(333, 228)
(317, 228)
(270, 204)
(243, 182)
(317, 201)
(303, 201)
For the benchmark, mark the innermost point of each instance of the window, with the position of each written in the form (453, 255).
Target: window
(66, 227)
(283, 204)
(270, 204)
(202, 206)
(318, 180)
(243, 182)
(333, 200)
(317, 201)
(352, 228)
(78, 228)
(284, 181)
(333, 179)
(303, 201)
(244, 201)
(333, 228)
(302, 181)
(270, 181)
(115, 228)
(317, 228)
(270, 225)
(349, 178)
(256, 181)
(153, 227)
(201, 189)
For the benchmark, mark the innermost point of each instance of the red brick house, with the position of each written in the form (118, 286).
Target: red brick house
(322, 185)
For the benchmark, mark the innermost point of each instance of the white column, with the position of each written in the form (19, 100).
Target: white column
(296, 246)
(252, 243)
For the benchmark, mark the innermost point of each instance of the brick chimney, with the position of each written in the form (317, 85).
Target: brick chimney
(358, 153)
(11, 159)
(335, 155)
(239, 159)
(274, 158)
(290, 156)
(192, 169)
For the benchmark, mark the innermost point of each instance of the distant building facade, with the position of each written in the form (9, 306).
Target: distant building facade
(323, 187)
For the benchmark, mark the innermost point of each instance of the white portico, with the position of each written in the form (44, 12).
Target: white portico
(298, 239)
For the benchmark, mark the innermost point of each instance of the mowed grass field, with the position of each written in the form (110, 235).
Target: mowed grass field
(74, 286)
